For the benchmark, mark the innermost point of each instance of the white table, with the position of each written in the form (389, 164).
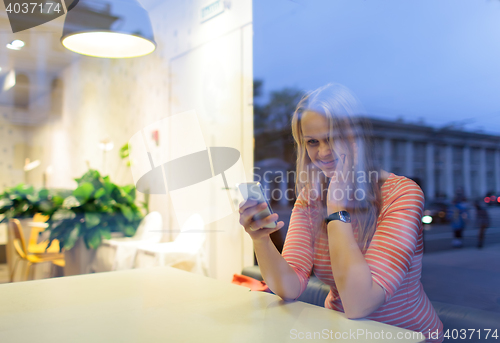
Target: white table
(163, 305)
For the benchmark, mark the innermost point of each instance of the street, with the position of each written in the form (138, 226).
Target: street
(438, 237)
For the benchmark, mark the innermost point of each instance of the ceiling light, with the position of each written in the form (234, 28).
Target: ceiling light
(15, 44)
(120, 30)
(31, 165)
(106, 145)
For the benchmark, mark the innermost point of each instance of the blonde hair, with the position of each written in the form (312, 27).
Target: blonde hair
(339, 106)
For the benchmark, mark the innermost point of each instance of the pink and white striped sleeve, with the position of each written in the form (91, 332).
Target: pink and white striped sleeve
(298, 247)
(395, 241)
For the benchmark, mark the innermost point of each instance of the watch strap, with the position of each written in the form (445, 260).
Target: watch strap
(343, 216)
(333, 216)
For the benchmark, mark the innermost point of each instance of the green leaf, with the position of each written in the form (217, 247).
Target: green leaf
(32, 198)
(89, 177)
(122, 196)
(94, 239)
(70, 202)
(23, 207)
(84, 191)
(43, 194)
(57, 200)
(130, 190)
(15, 197)
(109, 187)
(127, 212)
(99, 193)
(72, 238)
(63, 214)
(45, 206)
(24, 189)
(92, 220)
(129, 230)
(6, 202)
(105, 233)
(124, 151)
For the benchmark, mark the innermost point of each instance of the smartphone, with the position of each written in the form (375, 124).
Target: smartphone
(254, 191)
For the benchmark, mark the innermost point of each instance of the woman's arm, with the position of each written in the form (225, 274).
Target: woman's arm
(366, 281)
(360, 295)
(277, 273)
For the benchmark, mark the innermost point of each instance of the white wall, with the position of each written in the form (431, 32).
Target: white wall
(202, 66)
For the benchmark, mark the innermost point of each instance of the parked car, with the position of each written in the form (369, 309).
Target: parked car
(440, 212)
(492, 199)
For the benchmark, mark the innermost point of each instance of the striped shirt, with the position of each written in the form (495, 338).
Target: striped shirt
(394, 257)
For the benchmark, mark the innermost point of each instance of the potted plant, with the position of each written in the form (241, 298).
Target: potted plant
(22, 202)
(95, 209)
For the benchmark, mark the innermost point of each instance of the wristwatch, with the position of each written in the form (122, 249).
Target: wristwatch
(343, 216)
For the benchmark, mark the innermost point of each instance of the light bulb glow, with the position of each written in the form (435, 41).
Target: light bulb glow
(427, 219)
(106, 146)
(108, 44)
(17, 43)
(30, 166)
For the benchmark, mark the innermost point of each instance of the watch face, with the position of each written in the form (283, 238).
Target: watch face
(345, 216)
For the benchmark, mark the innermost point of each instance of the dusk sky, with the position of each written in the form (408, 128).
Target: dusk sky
(436, 60)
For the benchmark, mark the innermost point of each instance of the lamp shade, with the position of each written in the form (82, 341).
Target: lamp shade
(109, 29)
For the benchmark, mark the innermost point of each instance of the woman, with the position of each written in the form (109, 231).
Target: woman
(372, 262)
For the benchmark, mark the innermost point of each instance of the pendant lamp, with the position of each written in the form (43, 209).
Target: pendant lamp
(109, 29)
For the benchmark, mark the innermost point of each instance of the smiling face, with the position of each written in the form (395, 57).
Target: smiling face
(316, 137)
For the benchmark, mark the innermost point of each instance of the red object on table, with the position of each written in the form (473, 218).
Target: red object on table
(249, 282)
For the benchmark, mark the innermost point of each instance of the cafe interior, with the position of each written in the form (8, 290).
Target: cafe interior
(125, 127)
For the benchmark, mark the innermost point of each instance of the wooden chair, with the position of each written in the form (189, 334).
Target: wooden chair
(38, 226)
(20, 248)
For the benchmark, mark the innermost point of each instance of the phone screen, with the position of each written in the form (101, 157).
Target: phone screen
(254, 191)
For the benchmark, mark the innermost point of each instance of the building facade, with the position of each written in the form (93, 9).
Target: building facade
(445, 161)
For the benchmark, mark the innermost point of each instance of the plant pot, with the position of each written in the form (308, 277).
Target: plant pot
(79, 259)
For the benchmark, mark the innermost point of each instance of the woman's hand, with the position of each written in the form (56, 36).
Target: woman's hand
(255, 228)
(341, 188)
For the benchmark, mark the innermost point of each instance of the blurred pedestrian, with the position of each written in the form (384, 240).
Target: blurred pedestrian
(459, 220)
(482, 222)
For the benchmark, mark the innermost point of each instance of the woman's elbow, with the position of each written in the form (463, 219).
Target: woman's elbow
(363, 307)
(357, 313)
(286, 295)
(286, 298)
(288, 292)
(352, 314)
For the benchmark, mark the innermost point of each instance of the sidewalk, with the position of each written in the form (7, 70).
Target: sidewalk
(466, 277)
